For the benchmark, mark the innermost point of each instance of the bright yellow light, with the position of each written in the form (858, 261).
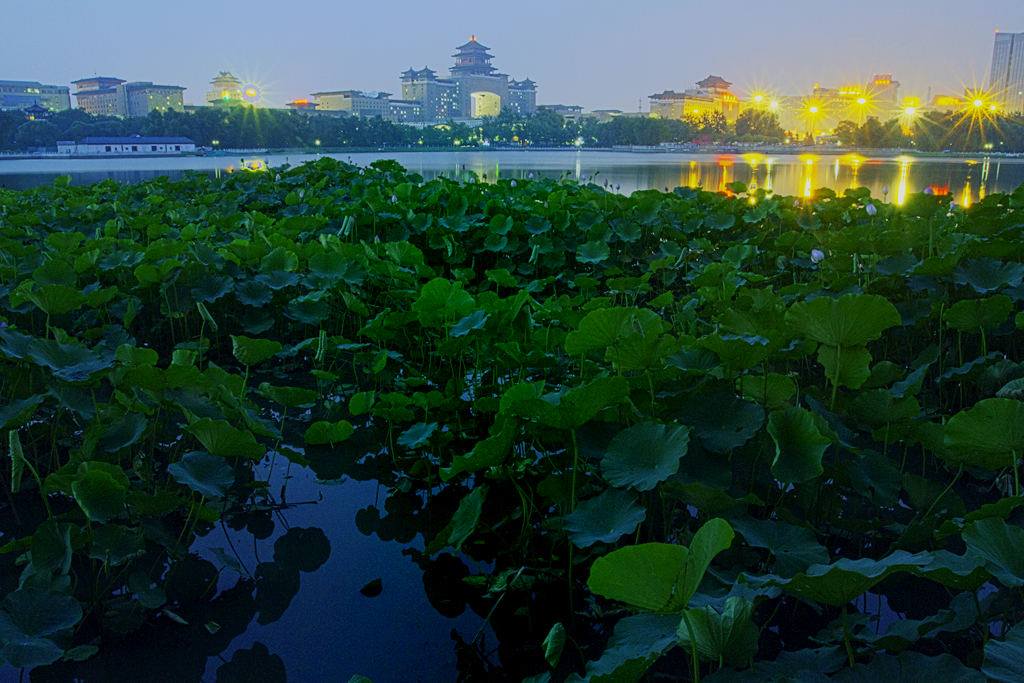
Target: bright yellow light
(861, 100)
(813, 109)
(978, 103)
(759, 98)
(910, 111)
(993, 107)
(773, 105)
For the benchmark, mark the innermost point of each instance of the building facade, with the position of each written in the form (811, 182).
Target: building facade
(226, 89)
(353, 102)
(24, 94)
(134, 145)
(1006, 77)
(104, 96)
(473, 89)
(710, 96)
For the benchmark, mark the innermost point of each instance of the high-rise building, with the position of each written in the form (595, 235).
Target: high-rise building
(711, 95)
(104, 96)
(24, 94)
(1006, 79)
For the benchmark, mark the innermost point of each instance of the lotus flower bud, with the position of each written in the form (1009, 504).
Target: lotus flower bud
(817, 255)
(870, 209)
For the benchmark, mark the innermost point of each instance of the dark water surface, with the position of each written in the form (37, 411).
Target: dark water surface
(967, 179)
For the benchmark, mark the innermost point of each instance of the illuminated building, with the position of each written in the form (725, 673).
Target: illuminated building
(24, 94)
(473, 88)
(404, 111)
(226, 89)
(353, 102)
(884, 90)
(99, 95)
(571, 112)
(438, 97)
(103, 96)
(1006, 78)
(711, 95)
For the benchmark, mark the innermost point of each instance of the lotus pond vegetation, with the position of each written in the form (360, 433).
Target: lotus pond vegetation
(666, 436)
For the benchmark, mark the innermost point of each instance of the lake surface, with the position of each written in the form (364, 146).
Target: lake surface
(967, 179)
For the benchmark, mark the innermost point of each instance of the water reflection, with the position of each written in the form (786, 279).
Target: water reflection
(783, 173)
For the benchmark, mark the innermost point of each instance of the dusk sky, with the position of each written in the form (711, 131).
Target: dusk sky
(600, 54)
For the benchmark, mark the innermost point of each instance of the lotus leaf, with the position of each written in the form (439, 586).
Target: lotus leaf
(205, 473)
(1004, 659)
(220, 438)
(251, 351)
(100, 496)
(644, 455)
(604, 519)
(990, 434)
(659, 577)
(730, 636)
(850, 320)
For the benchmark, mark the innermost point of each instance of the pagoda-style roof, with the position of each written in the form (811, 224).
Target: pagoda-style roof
(714, 82)
(525, 84)
(472, 46)
(425, 73)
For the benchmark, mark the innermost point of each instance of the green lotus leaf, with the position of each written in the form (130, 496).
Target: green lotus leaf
(636, 643)
(730, 636)
(19, 411)
(462, 524)
(70, 362)
(719, 221)
(290, 397)
(594, 251)
(322, 432)
(496, 243)
(721, 420)
(220, 438)
(251, 351)
(999, 544)
(134, 356)
(211, 287)
(990, 434)
(799, 446)
(773, 390)
(988, 274)
(1004, 659)
(55, 299)
(850, 320)
(441, 300)
(604, 519)
(206, 474)
(644, 455)
(115, 544)
(473, 321)
(417, 435)
(330, 265)
(659, 577)
(1013, 389)
(99, 495)
(794, 548)
(847, 366)
(26, 618)
(911, 667)
(51, 549)
(489, 452)
(123, 433)
(253, 293)
(972, 314)
(554, 643)
(279, 259)
(600, 329)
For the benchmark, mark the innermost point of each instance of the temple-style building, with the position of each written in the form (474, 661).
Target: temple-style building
(473, 89)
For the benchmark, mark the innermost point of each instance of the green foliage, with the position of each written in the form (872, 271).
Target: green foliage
(547, 383)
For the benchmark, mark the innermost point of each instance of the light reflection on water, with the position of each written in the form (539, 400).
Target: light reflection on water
(968, 179)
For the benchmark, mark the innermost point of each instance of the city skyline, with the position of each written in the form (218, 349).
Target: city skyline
(599, 55)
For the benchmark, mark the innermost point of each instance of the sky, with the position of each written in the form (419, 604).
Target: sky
(601, 54)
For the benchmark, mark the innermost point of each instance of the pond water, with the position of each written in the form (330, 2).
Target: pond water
(967, 179)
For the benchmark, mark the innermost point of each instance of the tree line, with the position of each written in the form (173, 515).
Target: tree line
(245, 126)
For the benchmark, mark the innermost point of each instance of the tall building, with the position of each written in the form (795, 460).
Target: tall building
(24, 94)
(1006, 79)
(355, 102)
(473, 89)
(104, 96)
